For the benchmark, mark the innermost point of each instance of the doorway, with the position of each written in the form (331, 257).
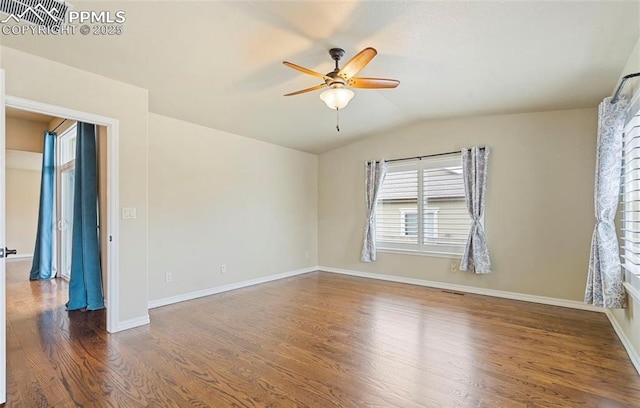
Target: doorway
(108, 225)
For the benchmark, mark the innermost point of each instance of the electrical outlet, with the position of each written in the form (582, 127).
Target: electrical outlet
(168, 277)
(455, 266)
(223, 268)
(306, 255)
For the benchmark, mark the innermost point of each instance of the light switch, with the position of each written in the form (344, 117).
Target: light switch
(128, 213)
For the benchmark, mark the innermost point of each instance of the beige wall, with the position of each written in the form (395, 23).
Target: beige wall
(61, 125)
(539, 216)
(629, 319)
(217, 198)
(633, 65)
(76, 89)
(25, 135)
(22, 195)
(22, 186)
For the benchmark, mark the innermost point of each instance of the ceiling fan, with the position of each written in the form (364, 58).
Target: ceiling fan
(338, 95)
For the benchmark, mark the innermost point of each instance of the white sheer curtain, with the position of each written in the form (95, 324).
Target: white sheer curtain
(374, 176)
(474, 174)
(605, 282)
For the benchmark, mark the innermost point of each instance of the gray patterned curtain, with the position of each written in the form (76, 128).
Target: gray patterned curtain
(474, 174)
(374, 176)
(605, 281)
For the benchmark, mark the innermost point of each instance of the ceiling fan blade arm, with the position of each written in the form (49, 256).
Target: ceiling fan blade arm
(372, 83)
(313, 88)
(305, 70)
(357, 63)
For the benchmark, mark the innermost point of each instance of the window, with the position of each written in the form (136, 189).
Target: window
(421, 207)
(630, 234)
(67, 143)
(410, 222)
(65, 179)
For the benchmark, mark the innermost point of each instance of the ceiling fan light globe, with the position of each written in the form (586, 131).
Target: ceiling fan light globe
(337, 98)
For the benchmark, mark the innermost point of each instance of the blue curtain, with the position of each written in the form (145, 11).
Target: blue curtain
(42, 267)
(85, 284)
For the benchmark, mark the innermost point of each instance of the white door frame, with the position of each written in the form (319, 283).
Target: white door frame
(113, 271)
(3, 278)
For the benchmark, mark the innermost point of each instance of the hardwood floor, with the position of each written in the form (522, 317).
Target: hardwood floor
(316, 340)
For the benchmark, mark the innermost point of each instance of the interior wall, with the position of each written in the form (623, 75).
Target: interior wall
(632, 66)
(539, 214)
(216, 198)
(22, 185)
(22, 200)
(61, 125)
(629, 319)
(24, 135)
(73, 88)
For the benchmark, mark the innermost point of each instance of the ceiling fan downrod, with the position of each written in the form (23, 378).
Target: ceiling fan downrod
(336, 55)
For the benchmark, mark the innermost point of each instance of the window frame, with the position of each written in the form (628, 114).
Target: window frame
(630, 199)
(403, 220)
(423, 247)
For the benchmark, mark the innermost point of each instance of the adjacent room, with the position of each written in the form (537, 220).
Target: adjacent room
(320, 203)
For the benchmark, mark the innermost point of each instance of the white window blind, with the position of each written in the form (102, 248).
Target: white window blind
(421, 207)
(630, 222)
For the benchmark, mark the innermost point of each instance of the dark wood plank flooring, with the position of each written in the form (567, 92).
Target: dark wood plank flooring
(316, 340)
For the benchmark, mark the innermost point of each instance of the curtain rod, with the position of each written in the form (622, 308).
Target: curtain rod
(60, 124)
(425, 156)
(616, 95)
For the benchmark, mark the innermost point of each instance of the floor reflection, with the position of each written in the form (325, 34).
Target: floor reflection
(424, 350)
(37, 316)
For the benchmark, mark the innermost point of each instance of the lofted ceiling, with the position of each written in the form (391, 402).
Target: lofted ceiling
(219, 63)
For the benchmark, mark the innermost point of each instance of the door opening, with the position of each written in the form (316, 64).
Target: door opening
(107, 131)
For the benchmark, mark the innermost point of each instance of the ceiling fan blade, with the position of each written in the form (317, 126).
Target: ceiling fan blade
(372, 83)
(359, 61)
(313, 88)
(305, 70)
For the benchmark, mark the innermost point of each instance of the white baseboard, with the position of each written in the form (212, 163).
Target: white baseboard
(631, 351)
(19, 256)
(468, 289)
(131, 323)
(226, 288)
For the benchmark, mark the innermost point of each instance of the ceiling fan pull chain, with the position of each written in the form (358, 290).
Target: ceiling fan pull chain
(337, 119)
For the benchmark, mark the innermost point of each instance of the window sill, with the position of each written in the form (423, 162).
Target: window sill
(632, 280)
(419, 253)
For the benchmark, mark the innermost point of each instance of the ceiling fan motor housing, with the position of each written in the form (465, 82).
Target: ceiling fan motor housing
(336, 53)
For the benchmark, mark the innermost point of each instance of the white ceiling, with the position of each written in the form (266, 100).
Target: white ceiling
(219, 63)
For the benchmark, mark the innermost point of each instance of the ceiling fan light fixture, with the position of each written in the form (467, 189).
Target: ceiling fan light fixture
(337, 98)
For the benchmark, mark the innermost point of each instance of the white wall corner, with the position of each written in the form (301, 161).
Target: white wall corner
(631, 351)
(225, 288)
(131, 323)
